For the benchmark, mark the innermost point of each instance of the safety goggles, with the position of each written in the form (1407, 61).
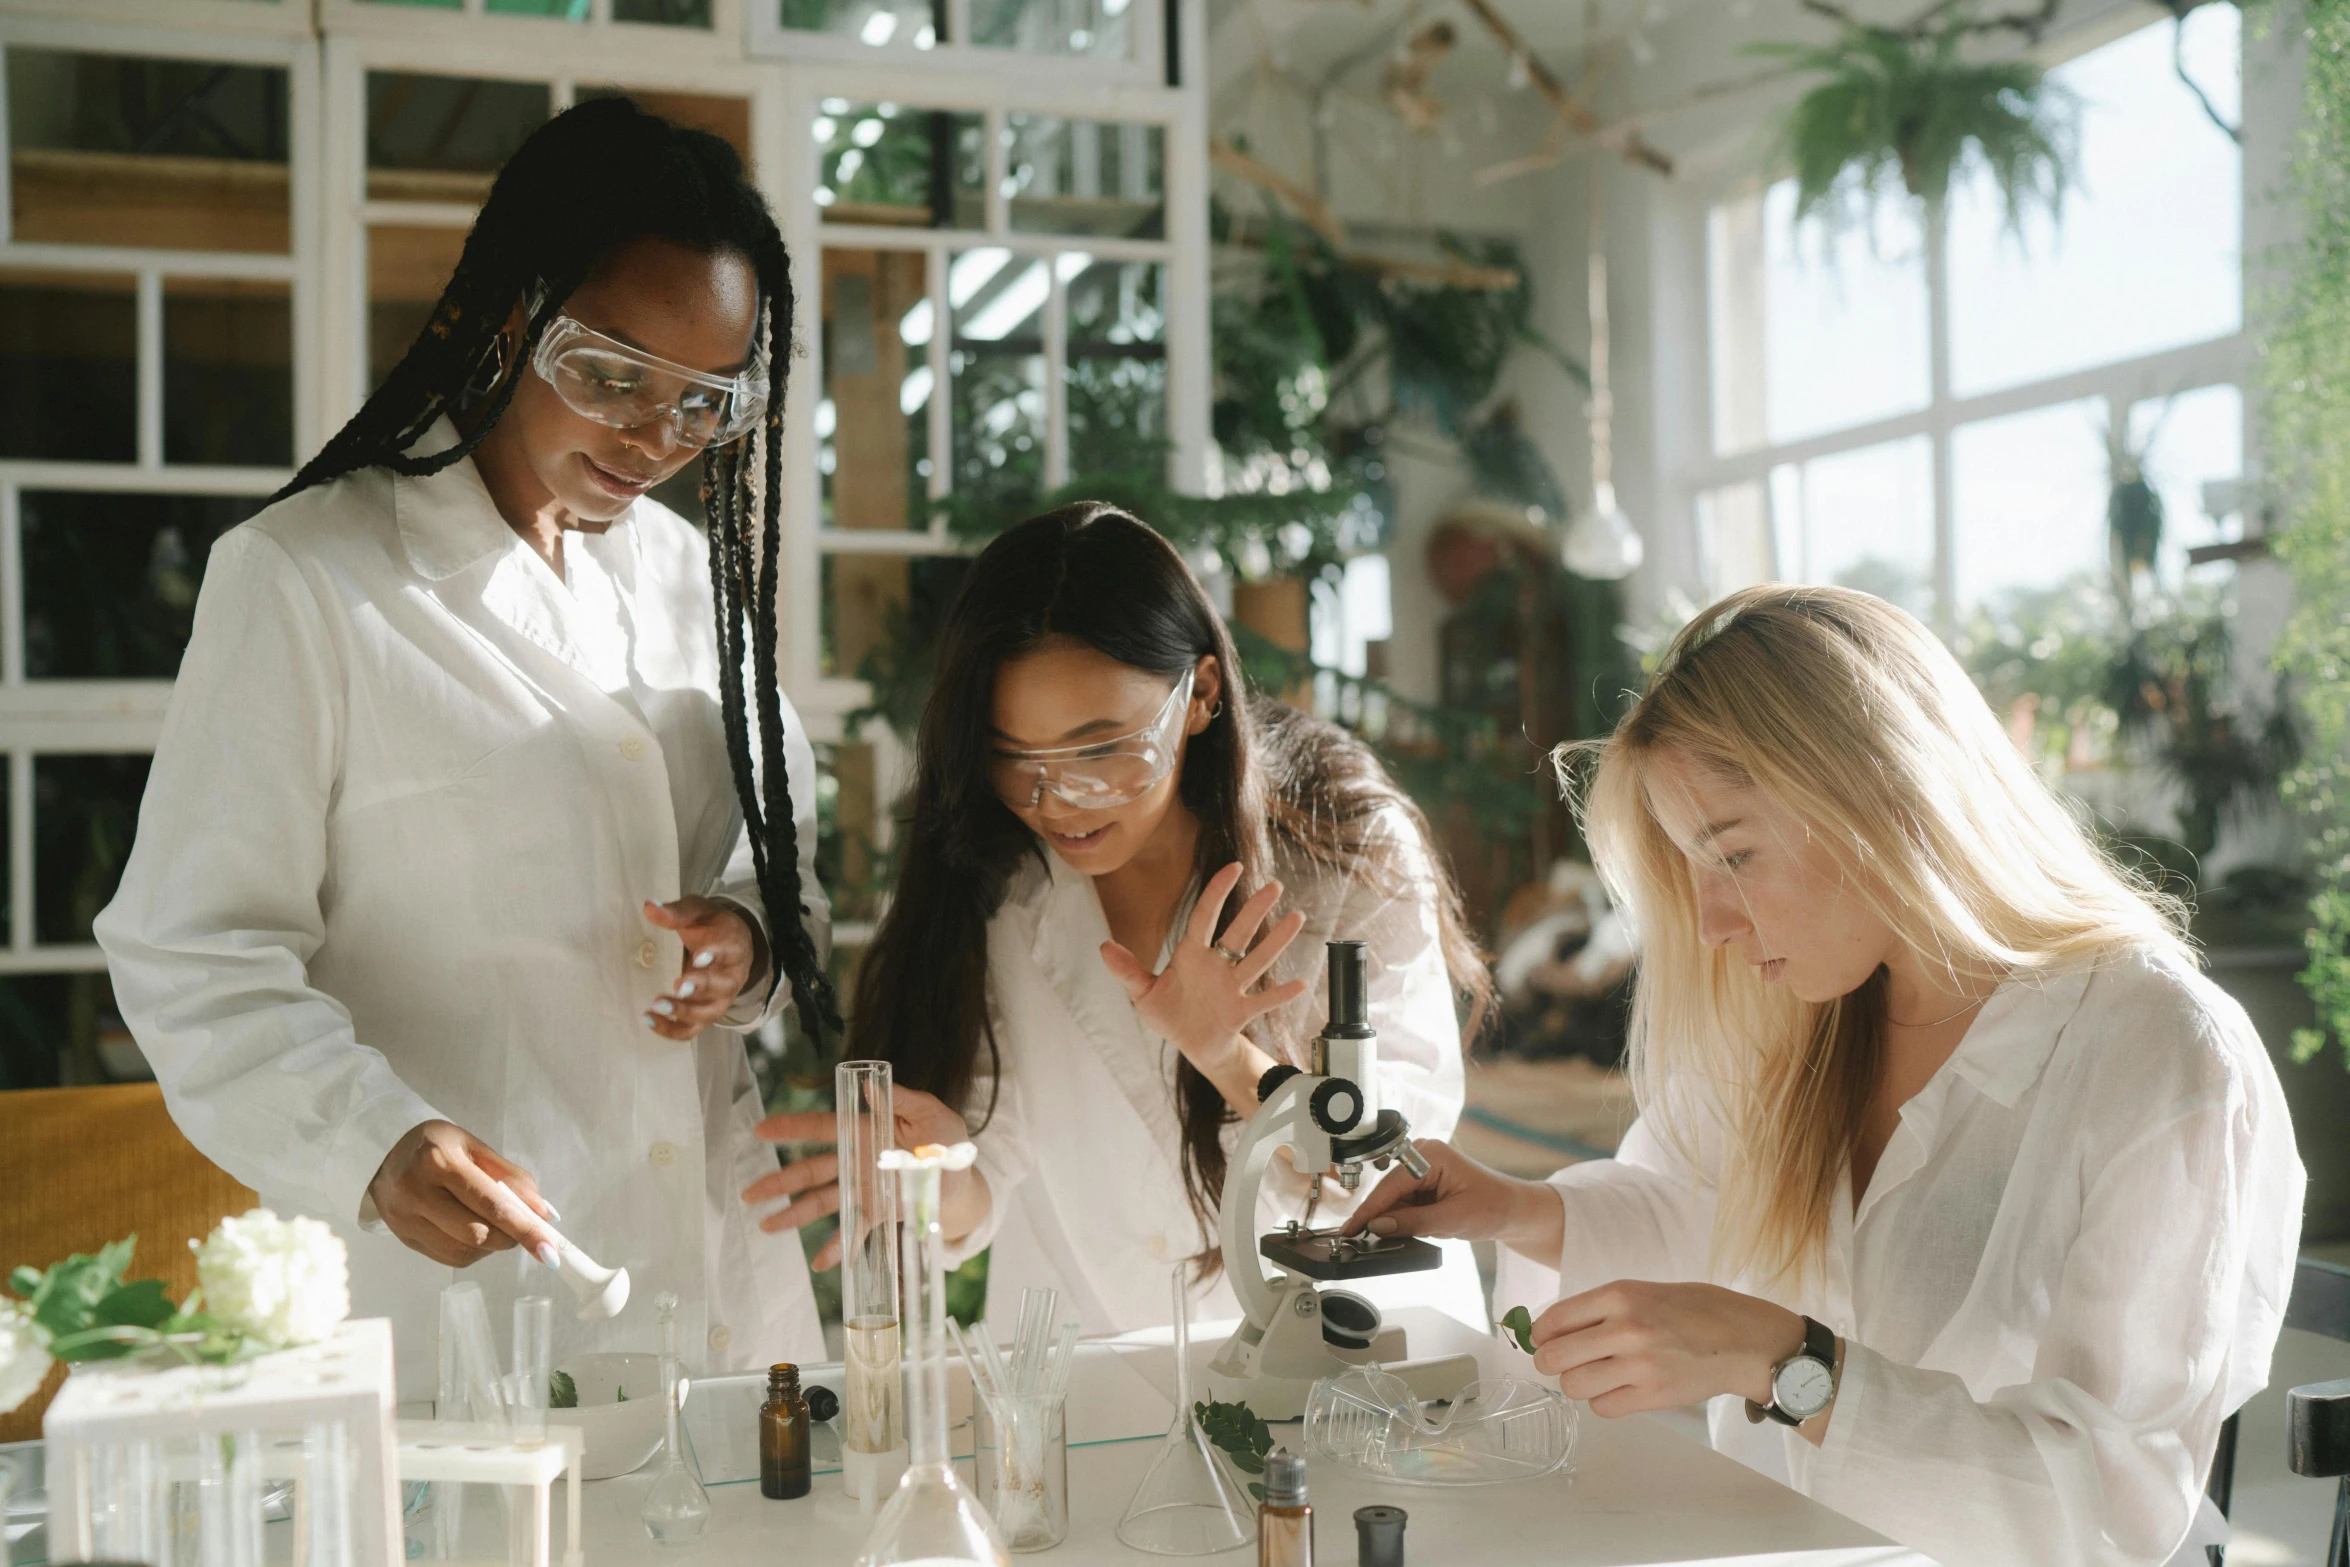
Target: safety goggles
(1100, 774)
(603, 379)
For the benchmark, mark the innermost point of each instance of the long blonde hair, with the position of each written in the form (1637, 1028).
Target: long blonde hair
(1852, 716)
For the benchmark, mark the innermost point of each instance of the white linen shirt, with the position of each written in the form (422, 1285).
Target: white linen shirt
(1083, 1151)
(2069, 1268)
(411, 792)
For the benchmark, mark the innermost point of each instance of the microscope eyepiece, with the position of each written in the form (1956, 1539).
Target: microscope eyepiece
(1350, 984)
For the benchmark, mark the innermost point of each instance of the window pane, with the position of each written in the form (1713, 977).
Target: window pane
(1734, 538)
(1100, 28)
(1862, 519)
(442, 138)
(873, 422)
(228, 372)
(1117, 380)
(430, 5)
(2149, 251)
(69, 373)
(1085, 176)
(85, 810)
(848, 860)
(33, 1029)
(1813, 332)
(2029, 495)
(110, 580)
(406, 270)
(884, 163)
(877, 611)
(663, 13)
(117, 150)
(916, 24)
(997, 368)
(2184, 443)
(560, 10)
(726, 118)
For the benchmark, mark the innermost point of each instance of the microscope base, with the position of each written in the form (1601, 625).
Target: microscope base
(1273, 1368)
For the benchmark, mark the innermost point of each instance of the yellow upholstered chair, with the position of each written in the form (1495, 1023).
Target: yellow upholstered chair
(80, 1167)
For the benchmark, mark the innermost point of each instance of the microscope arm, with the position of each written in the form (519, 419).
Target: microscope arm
(1280, 1122)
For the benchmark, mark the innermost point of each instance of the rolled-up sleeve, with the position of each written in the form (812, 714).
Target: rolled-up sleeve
(218, 915)
(2098, 1457)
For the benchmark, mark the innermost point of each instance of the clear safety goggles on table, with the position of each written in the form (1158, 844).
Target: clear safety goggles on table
(603, 379)
(1100, 774)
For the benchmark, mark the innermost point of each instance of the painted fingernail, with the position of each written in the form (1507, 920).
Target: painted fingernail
(704, 959)
(664, 1008)
(685, 990)
(552, 1215)
(546, 1254)
(652, 1022)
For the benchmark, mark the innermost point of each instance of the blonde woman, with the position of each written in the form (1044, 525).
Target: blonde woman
(1956, 1188)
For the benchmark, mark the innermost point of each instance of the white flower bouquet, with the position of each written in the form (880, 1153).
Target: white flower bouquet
(263, 1283)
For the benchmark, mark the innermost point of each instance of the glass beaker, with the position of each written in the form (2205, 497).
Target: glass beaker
(930, 1518)
(1022, 1465)
(872, 1433)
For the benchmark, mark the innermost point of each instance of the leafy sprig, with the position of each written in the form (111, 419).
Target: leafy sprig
(1236, 1429)
(87, 1311)
(1520, 1323)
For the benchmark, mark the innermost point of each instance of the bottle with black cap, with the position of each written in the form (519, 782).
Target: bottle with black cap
(1285, 1520)
(1379, 1536)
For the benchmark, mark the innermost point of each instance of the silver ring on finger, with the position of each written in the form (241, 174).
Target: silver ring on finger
(1228, 955)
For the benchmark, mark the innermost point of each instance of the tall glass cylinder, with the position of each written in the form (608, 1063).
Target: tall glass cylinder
(873, 1441)
(931, 1518)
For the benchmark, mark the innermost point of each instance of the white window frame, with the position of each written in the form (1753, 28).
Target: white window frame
(2123, 383)
(1147, 67)
(122, 717)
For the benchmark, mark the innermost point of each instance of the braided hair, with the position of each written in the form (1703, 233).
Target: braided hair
(587, 181)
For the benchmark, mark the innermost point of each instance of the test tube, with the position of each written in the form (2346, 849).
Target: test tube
(534, 1353)
(871, 1419)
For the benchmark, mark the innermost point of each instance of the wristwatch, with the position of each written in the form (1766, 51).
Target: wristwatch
(1804, 1383)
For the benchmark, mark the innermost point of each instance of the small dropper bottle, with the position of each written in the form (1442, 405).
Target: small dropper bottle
(783, 1437)
(1285, 1520)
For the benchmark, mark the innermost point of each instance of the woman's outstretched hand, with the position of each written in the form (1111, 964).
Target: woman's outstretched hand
(1462, 1199)
(724, 954)
(1203, 998)
(1630, 1346)
(812, 1184)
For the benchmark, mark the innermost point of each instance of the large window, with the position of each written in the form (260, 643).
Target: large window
(1948, 436)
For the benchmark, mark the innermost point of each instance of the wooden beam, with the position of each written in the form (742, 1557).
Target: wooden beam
(1569, 109)
(1281, 187)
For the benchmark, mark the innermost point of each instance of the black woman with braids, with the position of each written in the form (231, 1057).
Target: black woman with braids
(479, 819)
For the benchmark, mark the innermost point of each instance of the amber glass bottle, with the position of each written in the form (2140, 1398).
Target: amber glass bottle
(1285, 1522)
(783, 1436)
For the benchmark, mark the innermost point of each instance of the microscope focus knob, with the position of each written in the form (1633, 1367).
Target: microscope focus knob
(1275, 1075)
(1336, 1106)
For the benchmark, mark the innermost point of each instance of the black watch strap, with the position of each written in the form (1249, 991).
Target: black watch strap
(1818, 1344)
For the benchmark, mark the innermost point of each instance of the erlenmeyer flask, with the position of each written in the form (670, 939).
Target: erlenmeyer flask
(1188, 1504)
(931, 1518)
(677, 1509)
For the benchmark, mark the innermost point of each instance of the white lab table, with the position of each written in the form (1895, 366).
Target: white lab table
(1638, 1491)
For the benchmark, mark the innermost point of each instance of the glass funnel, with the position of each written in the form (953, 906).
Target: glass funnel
(1188, 1504)
(1501, 1428)
(677, 1509)
(931, 1518)
(873, 1442)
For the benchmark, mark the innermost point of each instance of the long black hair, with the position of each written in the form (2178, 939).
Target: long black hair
(589, 180)
(1261, 779)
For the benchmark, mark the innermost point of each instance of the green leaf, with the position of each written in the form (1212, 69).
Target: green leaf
(24, 1281)
(1256, 1488)
(622, 1397)
(1520, 1323)
(1236, 1429)
(562, 1392)
(141, 1304)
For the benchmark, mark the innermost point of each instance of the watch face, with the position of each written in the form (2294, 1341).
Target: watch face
(1803, 1387)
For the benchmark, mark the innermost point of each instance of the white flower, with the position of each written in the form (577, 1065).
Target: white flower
(24, 1355)
(280, 1281)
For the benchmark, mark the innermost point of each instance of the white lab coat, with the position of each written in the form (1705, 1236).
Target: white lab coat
(2070, 1266)
(1083, 1151)
(411, 792)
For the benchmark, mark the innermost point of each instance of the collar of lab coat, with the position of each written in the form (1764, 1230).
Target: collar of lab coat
(1067, 947)
(448, 522)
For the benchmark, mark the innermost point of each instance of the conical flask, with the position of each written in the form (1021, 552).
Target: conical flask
(931, 1518)
(677, 1509)
(1188, 1504)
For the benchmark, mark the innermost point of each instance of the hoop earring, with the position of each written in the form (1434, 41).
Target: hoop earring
(1217, 711)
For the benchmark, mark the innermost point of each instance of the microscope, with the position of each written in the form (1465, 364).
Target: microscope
(1295, 1329)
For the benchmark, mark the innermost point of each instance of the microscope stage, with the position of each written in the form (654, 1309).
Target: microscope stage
(1332, 1258)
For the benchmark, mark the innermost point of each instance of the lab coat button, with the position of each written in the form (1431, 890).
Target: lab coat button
(632, 748)
(646, 952)
(1157, 1245)
(721, 1336)
(664, 1155)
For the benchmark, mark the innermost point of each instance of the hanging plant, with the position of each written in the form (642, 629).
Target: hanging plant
(1903, 105)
